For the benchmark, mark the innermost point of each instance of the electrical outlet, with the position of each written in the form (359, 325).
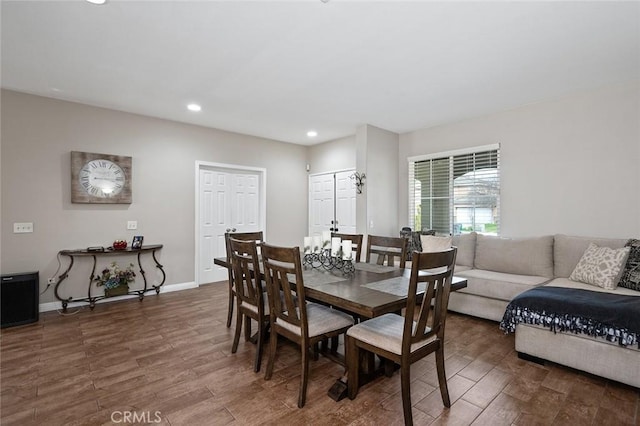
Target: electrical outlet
(51, 281)
(22, 227)
(132, 224)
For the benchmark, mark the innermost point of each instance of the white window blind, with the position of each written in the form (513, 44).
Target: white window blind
(456, 192)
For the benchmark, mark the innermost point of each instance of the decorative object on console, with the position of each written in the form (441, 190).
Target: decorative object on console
(601, 266)
(137, 242)
(631, 273)
(100, 178)
(119, 244)
(359, 178)
(115, 280)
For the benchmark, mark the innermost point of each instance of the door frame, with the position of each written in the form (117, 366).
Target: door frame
(227, 168)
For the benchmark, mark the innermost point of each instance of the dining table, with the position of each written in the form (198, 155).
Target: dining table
(368, 290)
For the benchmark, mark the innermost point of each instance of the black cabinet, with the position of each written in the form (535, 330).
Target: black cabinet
(19, 298)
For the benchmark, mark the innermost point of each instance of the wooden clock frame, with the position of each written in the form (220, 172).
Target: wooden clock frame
(80, 195)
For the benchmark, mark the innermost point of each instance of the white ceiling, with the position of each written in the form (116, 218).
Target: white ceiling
(278, 69)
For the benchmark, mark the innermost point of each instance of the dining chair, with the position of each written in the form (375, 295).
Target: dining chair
(244, 236)
(387, 248)
(356, 242)
(291, 316)
(251, 299)
(420, 333)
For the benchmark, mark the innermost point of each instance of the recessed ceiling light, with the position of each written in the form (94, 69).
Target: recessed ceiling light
(312, 133)
(194, 107)
(97, 1)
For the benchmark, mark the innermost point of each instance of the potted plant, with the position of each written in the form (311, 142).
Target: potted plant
(115, 280)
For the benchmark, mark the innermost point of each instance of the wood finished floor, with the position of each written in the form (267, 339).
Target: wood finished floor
(171, 354)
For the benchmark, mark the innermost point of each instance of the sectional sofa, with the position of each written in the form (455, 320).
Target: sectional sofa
(499, 269)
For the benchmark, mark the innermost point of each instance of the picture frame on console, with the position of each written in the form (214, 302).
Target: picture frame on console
(137, 242)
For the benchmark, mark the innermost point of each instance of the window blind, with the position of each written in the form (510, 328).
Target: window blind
(456, 192)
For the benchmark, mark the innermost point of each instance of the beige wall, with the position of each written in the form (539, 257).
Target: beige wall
(570, 165)
(377, 157)
(37, 137)
(336, 155)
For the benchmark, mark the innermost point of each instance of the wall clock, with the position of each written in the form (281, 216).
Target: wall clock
(100, 178)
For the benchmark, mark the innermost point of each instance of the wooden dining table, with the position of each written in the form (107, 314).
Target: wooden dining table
(370, 291)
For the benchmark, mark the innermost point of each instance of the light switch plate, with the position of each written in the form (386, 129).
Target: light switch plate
(22, 227)
(132, 224)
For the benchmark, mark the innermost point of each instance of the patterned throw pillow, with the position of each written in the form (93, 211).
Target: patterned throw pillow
(631, 274)
(601, 266)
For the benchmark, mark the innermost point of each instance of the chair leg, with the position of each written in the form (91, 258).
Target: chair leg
(236, 337)
(273, 345)
(334, 344)
(230, 310)
(304, 378)
(247, 329)
(353, 357)
(262, 329)
(442, 377)
(405, 385)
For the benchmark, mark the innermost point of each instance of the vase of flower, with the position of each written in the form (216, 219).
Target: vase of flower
(115, 280)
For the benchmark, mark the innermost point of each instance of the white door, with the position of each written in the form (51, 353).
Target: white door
(321, 203)
(229, 201)
(332, 203)
(345, 203)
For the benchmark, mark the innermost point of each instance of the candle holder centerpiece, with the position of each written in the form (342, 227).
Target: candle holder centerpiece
(328, 253)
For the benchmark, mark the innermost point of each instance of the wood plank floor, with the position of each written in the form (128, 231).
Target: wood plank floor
(167, 360)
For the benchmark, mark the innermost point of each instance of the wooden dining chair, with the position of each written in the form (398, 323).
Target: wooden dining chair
(291, 316)
(356, 240)
(421, 331)
(251, 299)
(387, 248)
(244, 236)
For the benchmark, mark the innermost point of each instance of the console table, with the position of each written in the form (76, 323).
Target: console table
(72, 254)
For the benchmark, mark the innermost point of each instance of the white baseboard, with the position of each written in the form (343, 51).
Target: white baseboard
(55, 306)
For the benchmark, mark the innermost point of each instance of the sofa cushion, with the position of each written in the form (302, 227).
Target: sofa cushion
(466, 244)
(601, 266)
(631, 273)
(567, 251)
(498, 285)
(521, 256)
(432, 243)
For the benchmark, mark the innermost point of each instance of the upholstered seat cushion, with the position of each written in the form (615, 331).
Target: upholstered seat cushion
(384, 332)
(322, 319)
(498, 285)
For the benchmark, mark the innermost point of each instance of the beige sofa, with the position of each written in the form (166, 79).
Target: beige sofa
(498, 269)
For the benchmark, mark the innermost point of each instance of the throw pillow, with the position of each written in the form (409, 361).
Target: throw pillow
(631, 273)
(601, 266)
(432, 244)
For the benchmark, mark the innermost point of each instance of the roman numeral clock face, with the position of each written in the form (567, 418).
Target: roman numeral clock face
(100, 178)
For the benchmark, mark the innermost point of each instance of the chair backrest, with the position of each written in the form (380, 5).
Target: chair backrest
(356, 240)
(257, 236)
(246, 272)
(387, 248)
(280, 265)
(435, 270)
(243, 236)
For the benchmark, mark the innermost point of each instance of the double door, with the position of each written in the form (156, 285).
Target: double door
(229, 201)
(332, 203)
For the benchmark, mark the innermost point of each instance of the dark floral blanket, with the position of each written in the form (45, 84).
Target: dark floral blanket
(613, 317)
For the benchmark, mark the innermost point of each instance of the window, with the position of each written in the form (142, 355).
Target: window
(456, 192)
